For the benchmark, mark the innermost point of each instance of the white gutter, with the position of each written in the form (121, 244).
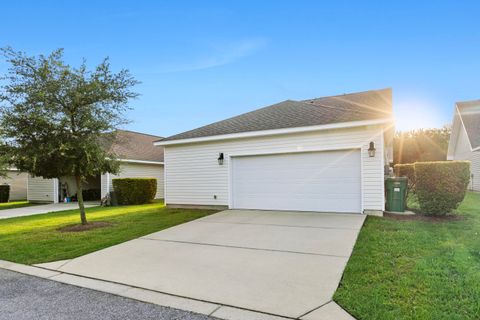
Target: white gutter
(275, 132)
(107, 177)
(141, 161)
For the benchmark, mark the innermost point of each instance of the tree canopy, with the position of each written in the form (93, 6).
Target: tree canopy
(53, 115)
(421, 145)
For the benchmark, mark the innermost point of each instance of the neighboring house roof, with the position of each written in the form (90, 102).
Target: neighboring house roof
(361, 106)
(469, 112)
(129, 145)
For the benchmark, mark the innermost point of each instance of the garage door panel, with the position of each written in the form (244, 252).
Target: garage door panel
(320, 181)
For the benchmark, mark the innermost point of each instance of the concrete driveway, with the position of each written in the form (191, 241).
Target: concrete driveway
(282, 263)
(41, 209)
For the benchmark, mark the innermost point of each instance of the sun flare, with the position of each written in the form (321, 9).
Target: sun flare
(411, 116)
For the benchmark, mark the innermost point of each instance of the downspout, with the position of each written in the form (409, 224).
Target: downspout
(107, 176)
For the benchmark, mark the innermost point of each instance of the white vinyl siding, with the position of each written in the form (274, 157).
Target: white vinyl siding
(136, 170)
(18, 184)
(194, 177)
(105, 184)
(42, 190)
(463, 151)
(475, 168)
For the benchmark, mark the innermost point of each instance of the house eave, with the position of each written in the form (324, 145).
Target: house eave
(141, 161)
(262, 133)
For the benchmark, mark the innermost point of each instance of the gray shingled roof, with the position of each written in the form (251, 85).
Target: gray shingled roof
(470, 113)
(135, 146)
(368, 105)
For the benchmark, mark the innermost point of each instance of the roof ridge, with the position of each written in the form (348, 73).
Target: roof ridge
(349, 94)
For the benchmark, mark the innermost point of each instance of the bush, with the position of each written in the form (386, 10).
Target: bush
(441, 185)
(135, 190)
(406, 170)
(4, 193)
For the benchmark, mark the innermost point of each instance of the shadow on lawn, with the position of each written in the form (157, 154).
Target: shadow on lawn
(86, 227)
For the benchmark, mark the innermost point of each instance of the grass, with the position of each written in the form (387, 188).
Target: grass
(15, 204)
(36, 239)
(416, 269)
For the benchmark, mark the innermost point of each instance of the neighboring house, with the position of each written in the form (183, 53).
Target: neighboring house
(138, 156)
(309, 155)
(465, 138)
(18, 184)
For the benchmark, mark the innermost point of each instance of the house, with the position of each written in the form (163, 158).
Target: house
(464, 141)
(325, 154)
(138, 157)
(18, 184)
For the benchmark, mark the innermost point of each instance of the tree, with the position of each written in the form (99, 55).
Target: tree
(3, 160)
(421, 145)
(52, 116)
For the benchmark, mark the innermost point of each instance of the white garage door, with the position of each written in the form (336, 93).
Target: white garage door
(317, 181)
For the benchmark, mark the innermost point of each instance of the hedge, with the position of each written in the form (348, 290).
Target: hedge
(406, 170)
(135, 190)
(441, 185)
(4, 193)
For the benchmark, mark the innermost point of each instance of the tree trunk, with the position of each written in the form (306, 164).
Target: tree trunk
(83, 216)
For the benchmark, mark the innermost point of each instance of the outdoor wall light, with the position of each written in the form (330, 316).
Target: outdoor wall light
(371, 149)
(220, 158)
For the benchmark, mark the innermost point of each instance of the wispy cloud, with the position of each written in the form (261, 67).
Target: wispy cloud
(215, 55)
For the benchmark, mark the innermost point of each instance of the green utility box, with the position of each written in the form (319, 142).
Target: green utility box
(396, 193)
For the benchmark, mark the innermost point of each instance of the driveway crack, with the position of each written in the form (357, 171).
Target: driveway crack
(246, 248)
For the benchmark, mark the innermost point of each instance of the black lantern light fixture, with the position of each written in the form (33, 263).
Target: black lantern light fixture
(220, 158)
(371, 149)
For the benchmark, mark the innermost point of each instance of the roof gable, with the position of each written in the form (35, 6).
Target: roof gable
(368, 105)
(469, 112)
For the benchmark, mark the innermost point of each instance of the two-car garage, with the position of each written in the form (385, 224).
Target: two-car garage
(328, 181)
(325, 154)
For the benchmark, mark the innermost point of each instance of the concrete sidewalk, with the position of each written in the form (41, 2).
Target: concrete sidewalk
(280, 264)
(42, 208)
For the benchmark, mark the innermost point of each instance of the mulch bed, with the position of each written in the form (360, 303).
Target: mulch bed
(421, 217)
(86, 227)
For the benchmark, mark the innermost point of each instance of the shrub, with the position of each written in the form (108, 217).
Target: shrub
(441, 186)
(4, 193)
(135, 190)
(406, 170)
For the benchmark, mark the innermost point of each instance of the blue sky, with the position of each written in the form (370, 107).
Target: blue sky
(203, 61)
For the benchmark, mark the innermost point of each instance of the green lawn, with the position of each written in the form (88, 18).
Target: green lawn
(35, 239)
(416, 269)
(15, 204)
